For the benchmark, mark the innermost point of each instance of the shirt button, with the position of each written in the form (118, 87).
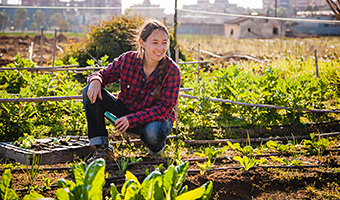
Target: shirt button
(143, 79)
(142, 92)
(128, 86)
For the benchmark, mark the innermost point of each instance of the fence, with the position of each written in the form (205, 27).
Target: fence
(198, 62)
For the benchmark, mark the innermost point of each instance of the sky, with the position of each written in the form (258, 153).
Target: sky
(170, 5)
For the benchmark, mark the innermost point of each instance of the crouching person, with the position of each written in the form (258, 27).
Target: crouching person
(149, 88)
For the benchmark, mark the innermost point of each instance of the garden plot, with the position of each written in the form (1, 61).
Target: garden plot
(48, 150)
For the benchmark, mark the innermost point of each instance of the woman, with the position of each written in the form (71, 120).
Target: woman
(149, 88)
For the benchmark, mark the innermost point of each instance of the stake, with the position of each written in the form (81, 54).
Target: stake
(176, 107)
(31, 51)
(54, 48)
(316, 63)
(175, 23)
(41, 46)
(198, 63)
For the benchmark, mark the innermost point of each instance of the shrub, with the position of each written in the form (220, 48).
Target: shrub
(111, 38)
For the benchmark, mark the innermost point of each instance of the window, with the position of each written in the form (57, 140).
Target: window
(275, 31)
(232, 32)
(249, 30)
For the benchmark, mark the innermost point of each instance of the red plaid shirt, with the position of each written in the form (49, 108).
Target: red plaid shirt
(136, 92)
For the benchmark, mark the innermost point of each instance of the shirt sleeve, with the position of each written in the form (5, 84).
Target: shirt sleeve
(164, 106)
(110, 74)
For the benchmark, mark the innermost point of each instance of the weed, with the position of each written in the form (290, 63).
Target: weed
(294, 162)
(32, 171)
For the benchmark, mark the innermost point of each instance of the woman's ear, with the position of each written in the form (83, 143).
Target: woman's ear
(141, 42)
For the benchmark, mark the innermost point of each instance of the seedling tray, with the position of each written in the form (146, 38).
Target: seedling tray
(48, 151)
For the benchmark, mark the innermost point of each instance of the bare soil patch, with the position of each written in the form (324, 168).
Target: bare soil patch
(11, 46)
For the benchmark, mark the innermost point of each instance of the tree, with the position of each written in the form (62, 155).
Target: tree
(55, 18)
(20, 16)
(39, 18)
(4, 20)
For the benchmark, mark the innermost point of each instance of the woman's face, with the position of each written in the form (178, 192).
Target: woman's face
(155, 45)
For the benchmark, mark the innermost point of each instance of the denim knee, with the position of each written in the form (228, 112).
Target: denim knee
(155, 133)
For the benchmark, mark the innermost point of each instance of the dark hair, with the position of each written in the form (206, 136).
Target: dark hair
(144, 32)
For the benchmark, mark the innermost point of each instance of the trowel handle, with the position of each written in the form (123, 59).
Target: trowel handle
(110, 117)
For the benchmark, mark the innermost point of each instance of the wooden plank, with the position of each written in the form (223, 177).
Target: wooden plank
(51, 155)
(57, 98)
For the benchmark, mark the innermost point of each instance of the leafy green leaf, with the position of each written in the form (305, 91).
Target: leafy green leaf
(94, 180)
(182, 171)
(151, 186)
(33, 196)
(6, 192)
(113, 190)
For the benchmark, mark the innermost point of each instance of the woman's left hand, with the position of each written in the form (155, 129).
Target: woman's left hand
(122, 124)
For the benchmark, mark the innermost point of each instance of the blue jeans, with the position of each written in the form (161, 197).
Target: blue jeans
(154, 134)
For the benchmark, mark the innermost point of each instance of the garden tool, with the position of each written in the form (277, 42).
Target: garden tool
(112, 119)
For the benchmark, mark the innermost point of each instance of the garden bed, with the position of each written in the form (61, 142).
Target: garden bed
(314, 176)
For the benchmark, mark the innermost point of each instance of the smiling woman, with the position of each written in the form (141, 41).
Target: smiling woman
(149, 88)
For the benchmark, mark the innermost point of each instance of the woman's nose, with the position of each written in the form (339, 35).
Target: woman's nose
(160, 46)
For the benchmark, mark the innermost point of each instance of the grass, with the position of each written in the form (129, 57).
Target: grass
(269, 48)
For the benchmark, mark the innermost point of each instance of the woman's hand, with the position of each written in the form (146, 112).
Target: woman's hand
(122, 124)
(94, 91)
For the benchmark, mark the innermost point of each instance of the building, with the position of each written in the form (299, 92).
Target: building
(196, 23)
(148, 10)
(72, 11)
(320, 29)
(241, 28)
(4, 2)
(294, 4)
(42, 3)
(79, 3)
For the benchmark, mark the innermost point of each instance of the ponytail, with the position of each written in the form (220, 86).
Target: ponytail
(162, 70)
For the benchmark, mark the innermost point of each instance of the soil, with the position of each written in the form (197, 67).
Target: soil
(228, 184)
(11, 46)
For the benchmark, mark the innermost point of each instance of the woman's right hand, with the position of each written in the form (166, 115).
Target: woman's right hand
(94, 91)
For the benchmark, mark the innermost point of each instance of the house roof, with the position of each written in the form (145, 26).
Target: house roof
(237, 20)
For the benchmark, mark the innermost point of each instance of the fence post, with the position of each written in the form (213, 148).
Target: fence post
(31, 51)
(316, 63)
(41, 46)
(198, 63)
(176, 107)
(54, 48)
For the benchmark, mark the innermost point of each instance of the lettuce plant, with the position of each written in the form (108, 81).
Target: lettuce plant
(315, 145)
(161, 186)
(6, 190)
(211, 153)
(245, 151)
(248, 163)
(89, 182)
